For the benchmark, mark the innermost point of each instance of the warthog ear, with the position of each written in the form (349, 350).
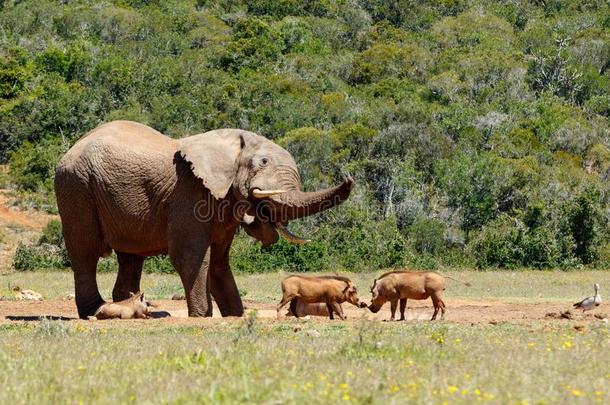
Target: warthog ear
(132, 294)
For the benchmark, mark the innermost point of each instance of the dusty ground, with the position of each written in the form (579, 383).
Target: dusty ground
(458, 311)
(17, 226)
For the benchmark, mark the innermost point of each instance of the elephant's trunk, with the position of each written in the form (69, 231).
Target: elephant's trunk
(297, 204)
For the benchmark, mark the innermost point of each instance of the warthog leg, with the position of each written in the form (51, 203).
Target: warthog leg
(403, 307)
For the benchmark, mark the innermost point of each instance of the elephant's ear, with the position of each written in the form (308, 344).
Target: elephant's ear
(213, 156)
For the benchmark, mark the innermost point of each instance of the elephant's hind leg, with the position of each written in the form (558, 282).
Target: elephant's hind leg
(128, 279)
(85, 245)
(87, 295)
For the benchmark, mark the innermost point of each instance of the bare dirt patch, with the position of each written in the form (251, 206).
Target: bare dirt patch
(35, 220)
(17, 226)
(458, 311)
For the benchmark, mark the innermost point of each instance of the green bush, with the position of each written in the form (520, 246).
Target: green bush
(15, 70)
(507, 243)
(32, 166)
(155, 264)
(584, 222)
(35, 257)
(158, 264)
(49, 252)
(428, 235)
(52, 234)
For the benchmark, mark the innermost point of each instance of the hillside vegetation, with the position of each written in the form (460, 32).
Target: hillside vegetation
(477, 131)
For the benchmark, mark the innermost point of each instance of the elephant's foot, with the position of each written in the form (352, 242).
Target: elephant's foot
(233, 309)
(87, 308)
(122, 294)
(199, 310)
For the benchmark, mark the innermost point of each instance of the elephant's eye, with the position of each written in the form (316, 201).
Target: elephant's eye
(264, 162)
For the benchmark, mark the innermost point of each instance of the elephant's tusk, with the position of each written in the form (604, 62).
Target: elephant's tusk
(248, 219)
(285, 233)
(258, 193)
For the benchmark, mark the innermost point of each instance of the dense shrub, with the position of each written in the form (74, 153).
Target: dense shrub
(32, 165)
(477, 131)
(52, 234)
(49, 252)
(43, 256)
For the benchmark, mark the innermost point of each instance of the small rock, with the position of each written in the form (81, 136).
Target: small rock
(69, 297)
(91, 318)
(28, 295)
(178, 297)
(297, 328)
(313, 333)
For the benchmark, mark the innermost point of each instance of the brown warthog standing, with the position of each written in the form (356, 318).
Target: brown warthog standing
(400, 285)
(133, 307)
(331, 290)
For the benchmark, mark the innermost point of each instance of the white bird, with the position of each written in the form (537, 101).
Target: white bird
(590, 302)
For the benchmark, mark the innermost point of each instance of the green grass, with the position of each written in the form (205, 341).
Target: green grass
(268, 361)
(244, 362)
(512, 286)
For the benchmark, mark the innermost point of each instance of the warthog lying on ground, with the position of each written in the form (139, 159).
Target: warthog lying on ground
(401, 285)
(133, 307)
(299, 309)
(331, 290)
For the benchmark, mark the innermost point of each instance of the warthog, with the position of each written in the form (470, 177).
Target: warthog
(400, 285)
(299, 309)
(133, 307)
(331, 290)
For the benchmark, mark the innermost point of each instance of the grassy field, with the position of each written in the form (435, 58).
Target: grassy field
(269, 361)
(511, 286)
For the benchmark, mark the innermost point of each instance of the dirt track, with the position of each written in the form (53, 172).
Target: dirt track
(17, 226)
(458, 311)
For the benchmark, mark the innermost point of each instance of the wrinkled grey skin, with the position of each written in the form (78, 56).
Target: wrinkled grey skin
(128, 188)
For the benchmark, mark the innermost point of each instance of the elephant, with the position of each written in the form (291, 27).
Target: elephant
(126, 187)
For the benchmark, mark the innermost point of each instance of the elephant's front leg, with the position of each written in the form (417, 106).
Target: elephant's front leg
(223, 285)
(193, 267)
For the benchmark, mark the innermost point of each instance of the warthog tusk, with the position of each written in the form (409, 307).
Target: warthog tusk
(248, 219)
(284, 232)
(258, 193)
